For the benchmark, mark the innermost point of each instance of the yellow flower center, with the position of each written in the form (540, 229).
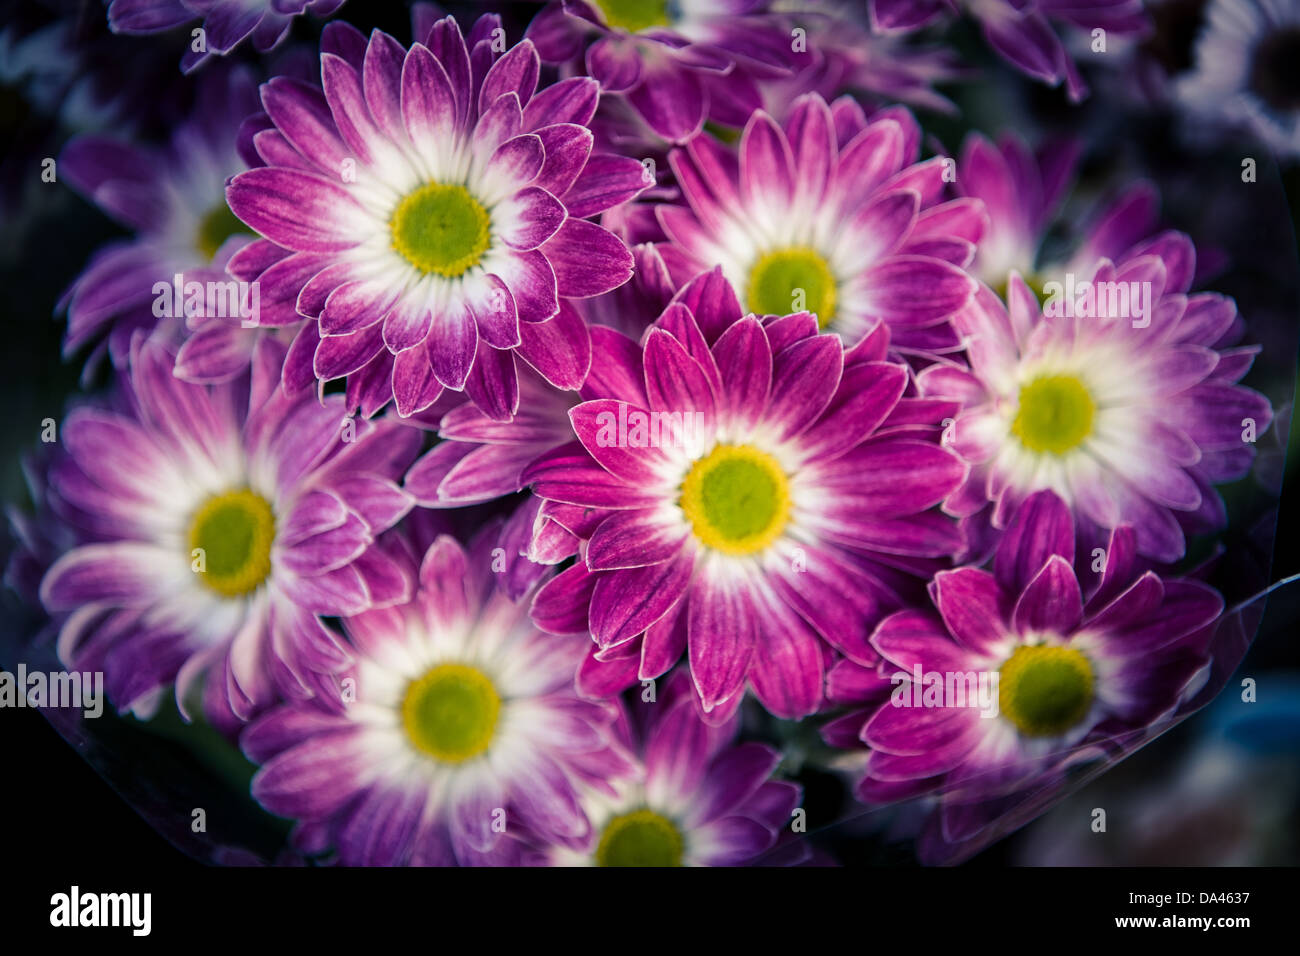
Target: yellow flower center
(634, 15)
(1055, 414)
(640, 838)
(1045, 690)
(441, 229)
(230, 542)
(792, 280)
(451, 712)
(737, 499)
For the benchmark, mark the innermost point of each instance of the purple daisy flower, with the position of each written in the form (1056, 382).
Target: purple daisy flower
(1123, 400)
(436, 209)
(676, 62)
(762, 521)
(830, 214)
(226, 23)
(174, 200)
(217, 526)
(1075, 666)
(1021, 31)
(460, 730)
(695, 797)
(1023, 191)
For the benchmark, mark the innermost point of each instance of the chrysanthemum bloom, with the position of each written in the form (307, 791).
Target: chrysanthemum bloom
(695, 797)
(174, 199)
(436, 209)
(460, 730)
(1023, 670)
(1245, 71)
(1022, 191)
(218, 525)
(746, 490)
(675, 62)
(1123, 401)
(830, 214)
(226, 23)
(1021, 31)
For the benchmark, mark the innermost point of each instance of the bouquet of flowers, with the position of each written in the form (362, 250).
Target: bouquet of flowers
(647, 432)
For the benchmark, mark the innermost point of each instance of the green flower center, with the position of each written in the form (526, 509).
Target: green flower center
(218, 226)
(737, 499)
(1045, 690)
(451, 712)
(640, 838)
(441, 229)
(1055, 414)
(232, 535)
(634, 15)
(792, 280)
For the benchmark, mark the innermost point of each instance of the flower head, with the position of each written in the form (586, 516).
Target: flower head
(1069, 662)
(435, 203)
(693, 797)
(217, 526)
(748, 492)
(461, 730)
(1245, 71)
(827, 213)
(174, 200)
(1119, 396)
